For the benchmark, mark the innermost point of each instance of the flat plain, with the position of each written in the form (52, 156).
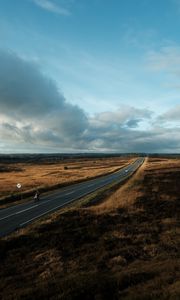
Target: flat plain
(125, 247)
(46, 174)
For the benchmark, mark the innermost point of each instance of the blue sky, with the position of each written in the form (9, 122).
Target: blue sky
(117, 62)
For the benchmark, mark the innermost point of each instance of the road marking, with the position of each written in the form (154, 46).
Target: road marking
(19, 212)
(101, 182)
(68, 193)
(54, 208)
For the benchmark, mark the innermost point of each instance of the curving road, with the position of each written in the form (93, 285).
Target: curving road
(18, 216)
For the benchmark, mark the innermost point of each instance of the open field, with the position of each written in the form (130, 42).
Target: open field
(126, 247)
(47, 174)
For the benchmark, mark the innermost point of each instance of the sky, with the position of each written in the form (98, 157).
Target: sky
(89, 76)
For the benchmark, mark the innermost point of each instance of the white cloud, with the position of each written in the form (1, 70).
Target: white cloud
(34, 112)
(52, 7)
(167, 59)
(139, 38)
(172, 115)
(165, 64)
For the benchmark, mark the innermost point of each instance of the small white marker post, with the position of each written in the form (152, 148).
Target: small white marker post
(19, 186)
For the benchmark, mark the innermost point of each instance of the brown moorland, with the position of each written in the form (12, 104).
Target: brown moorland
(126, 247)
(45, 175)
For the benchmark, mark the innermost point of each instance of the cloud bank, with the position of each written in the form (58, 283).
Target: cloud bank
(36, 117)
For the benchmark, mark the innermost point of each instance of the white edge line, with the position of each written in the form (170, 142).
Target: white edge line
(48, 210)
(19, 212)
(69, 193)
(54, 208)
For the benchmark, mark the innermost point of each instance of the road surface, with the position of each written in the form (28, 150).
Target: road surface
(20, 215)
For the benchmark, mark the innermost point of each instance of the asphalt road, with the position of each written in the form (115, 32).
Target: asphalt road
(18, 216)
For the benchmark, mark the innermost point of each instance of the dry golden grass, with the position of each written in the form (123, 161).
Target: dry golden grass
(124, 250)
(123, 197)
(32, 176)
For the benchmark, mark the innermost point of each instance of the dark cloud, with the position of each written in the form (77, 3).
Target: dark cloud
(126, 140)
(133, 123)
(24, 91)
(35, 116)
(32, 106)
